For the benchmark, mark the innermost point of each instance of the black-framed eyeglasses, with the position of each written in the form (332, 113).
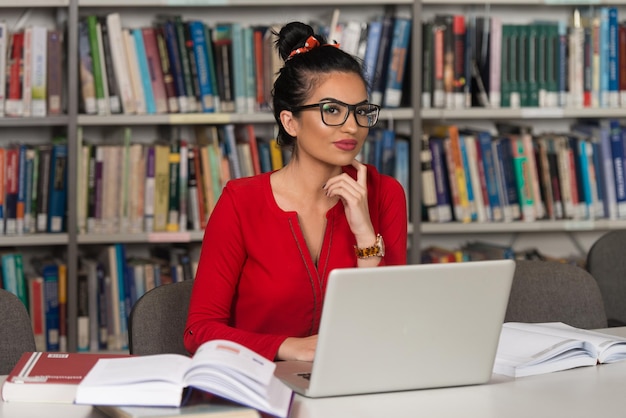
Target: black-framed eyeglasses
(335, 112)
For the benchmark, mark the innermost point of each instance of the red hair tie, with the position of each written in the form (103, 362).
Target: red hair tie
(309, 44)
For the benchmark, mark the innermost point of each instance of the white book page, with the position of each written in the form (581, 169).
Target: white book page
(127, 370)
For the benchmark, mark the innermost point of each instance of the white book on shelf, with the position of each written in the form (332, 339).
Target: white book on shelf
(39, 96)
(135, 74)
(120, 62)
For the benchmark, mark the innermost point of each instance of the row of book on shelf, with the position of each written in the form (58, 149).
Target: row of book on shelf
(108, 287)
(474, 175)
(482, 61)
(174, 184)
(191, 66)
(33, 187)
(31, 71)
(483, 250)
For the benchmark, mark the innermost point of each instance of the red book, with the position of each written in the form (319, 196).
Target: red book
(49, 377)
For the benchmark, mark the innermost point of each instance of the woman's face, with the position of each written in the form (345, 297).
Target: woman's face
(334, 145)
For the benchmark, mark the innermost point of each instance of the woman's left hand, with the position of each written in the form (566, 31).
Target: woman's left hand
(354, 196)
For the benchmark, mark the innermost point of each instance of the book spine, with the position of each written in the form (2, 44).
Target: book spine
(202, 66)
(51, 291)
(575, 62)
(397, 63)
(58, 188)
(166, 68)
(174, 191)
(193, 189)
(444, 210)
(489, 169)
(37, 311)
(155, 70)
(522, 178)
(14, 104)
(4, 42)
(183, 187)
(189, 52)
(102, 105)
(179, 27)
(12, 186)
(27, 72)
(144, 71)
(87, 80)
(21, 189)
(136, 78)
(606, 159)
(495, 64)
(613, 74)
(460, 46)
(429, 193)
(176, 65)
(382, 61)
(110, 83)
(120, 63)
(161, 191)
(427, 58)
(149, 190)
(39, 88)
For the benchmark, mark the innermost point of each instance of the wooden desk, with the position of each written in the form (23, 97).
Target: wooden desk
(584, 392)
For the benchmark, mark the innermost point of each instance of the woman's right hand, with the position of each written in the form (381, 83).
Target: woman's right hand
(302, 349)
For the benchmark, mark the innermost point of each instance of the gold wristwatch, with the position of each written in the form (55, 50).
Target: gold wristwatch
(376, 250)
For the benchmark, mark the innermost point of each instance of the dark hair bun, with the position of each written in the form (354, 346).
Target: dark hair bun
(292, 36)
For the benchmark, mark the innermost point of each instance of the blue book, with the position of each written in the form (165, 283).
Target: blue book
(489, 169)
(398, 59)
(617, 138)
(169, 31)
(200, 49)
(265, 156)
(388, 151)
(402, 166)
(613, 69)
(374, 31)
(250, 68)
(382, 61)
(599, 206)
(144, 71)
(57, 188)
(123, 293)
(9, 277)
(50, 276)
(440, 170)
(506, 168)
(585, 199)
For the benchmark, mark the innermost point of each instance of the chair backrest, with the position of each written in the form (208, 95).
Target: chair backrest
(548, 291)
(16, 332)
(606, 261)
(157, 320)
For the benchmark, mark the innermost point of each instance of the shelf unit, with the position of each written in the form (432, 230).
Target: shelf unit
(515, 11)
(77, 241)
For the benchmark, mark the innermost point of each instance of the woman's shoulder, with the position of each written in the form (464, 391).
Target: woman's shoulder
(248, 185)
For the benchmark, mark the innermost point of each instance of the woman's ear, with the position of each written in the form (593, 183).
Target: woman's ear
(290, 123)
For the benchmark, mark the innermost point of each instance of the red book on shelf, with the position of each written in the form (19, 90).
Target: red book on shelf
(49, 377)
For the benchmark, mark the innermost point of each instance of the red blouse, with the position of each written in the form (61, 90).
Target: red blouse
(256, 282)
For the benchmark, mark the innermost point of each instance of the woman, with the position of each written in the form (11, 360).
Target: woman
(272, 239)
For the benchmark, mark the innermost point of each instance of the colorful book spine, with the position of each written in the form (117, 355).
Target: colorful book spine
(39, 87)
(115, 104)
(171, 41)
(144, 71)
(613, 70)
(200, 46)
(155, 70)
(398, 59)
(444, 209)
(50, 276)
(58, 188)
(102, 105)
(21, 189)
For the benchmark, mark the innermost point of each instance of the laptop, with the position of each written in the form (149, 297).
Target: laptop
(396, 328)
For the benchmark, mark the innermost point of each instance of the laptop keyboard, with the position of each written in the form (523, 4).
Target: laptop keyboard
(306, 376)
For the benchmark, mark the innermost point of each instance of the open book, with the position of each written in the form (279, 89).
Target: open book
(222, 368)
(529, 349)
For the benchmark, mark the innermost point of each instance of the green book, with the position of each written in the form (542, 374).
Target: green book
(505, 69)
(532, 87)
(94, 47)
(184, 61)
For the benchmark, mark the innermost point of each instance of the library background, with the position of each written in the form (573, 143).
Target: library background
(123, 119)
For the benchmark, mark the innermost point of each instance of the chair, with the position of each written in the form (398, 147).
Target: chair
(16, 332)
(606, 261)
(548, 291)
(157, 320)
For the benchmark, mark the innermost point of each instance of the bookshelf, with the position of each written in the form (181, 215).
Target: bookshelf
(561, 237)
(137, 13)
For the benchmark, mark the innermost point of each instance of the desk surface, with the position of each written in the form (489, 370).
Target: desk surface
(582, 392)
